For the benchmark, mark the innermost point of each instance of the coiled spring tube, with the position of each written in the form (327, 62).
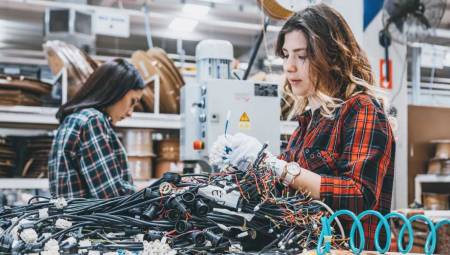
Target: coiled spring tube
(324, 243)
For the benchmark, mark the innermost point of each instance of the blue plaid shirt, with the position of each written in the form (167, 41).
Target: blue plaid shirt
(87, 158)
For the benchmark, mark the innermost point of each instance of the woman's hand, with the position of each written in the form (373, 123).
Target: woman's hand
(245, 150)
(219, 155)
(241, 150)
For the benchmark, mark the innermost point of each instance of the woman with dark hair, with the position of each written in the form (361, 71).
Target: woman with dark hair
(87, 158)
(343, 150)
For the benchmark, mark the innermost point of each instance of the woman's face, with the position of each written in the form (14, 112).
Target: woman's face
(124, 107)
(296, 63)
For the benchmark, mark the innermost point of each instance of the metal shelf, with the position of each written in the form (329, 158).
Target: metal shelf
(427, 178)
(31, 115)
(42, 183)
(28, 115)
(45, 116)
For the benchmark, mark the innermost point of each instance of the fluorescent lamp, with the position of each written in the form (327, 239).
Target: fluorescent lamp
(182, 24)
(196, 10)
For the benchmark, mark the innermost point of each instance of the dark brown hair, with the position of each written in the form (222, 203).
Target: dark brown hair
(339, 67)
(104, 87)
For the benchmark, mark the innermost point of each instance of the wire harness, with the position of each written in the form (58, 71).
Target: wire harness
(228, 212)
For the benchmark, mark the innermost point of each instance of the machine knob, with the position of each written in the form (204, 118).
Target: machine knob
(202, 117)
(198, 145)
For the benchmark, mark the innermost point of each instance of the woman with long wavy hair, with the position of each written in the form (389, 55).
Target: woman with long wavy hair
(343, 150)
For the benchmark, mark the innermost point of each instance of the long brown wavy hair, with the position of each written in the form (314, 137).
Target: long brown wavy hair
(339, 68)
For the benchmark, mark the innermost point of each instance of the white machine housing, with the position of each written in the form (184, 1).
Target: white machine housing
(254, 110)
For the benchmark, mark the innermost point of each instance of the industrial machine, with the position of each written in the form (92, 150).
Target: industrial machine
(215, 104)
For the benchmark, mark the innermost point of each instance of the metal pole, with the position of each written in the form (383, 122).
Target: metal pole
(256, 48)
(147, 26)
(416, 59)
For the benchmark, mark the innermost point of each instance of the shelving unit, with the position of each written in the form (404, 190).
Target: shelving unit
(42, 119)
(427, 178)
(45, 116)
(42, 183)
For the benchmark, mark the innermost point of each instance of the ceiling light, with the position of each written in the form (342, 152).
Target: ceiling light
(182, 24)
(195, 9)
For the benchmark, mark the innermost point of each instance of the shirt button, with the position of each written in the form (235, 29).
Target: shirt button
(312, 156)
(307, 150)
(319, 155)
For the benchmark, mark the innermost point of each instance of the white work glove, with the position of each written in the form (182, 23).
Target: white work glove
(219, 155)
(241, 151)
(245, 149)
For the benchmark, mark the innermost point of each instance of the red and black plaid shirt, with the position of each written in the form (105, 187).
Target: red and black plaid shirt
(354, 153)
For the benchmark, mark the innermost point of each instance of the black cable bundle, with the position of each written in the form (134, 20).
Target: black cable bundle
(190, 214)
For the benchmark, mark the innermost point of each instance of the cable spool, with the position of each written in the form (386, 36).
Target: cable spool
(324, 247)
(281, 9)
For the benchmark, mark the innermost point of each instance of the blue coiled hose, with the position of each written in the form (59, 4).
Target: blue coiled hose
(324, 243)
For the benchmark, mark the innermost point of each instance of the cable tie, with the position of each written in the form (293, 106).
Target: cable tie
(223, 227)
(242, 234)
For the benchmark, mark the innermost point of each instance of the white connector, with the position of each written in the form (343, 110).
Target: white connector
(63, 224)
(46, 235)
(70, 241)
(59, 203)
(43, 213)
(15, 232)
(92, 252)
(139, 238)
(29, 235)
(157, 248)
(51, 245)
(49, 252)
(84, 243)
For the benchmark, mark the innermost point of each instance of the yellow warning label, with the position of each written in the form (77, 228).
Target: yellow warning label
(244, 117)
(244, 121)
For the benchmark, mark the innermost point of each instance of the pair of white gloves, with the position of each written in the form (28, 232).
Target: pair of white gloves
(241, 151)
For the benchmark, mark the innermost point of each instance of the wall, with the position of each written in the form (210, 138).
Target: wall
(398, 98)
(422, 119)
